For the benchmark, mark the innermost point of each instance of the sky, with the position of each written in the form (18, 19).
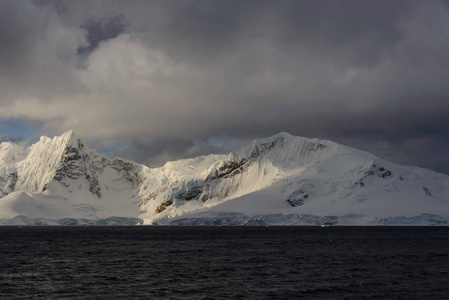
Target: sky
(154, 81)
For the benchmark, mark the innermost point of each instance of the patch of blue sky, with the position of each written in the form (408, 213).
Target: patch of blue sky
(211, 141)
(215, 141)
(19, 127)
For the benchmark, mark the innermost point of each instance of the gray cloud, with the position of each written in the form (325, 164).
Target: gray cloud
(99, 30)
(57, 5)
(156, 152)
(16, 34)
(425, 146)
(161, 75)
(11, 138)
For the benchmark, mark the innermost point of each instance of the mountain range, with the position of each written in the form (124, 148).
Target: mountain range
(280, 180)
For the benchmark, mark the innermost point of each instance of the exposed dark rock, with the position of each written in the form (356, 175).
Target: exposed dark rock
(386, 174)
(164, 206)
(232, 168)
(298, 201)
(130, 171)
(94, 187)
(316, 146)
(379, 171)
(229, 169)
(298, 198)
(77, 163)
(74, 164)
(145, 200)
(263, 148)
(70, 168)
(193, 193)
(71, 154)
(8, 184)
(426, 190)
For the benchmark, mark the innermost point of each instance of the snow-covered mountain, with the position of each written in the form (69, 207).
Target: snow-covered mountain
(61, 178)
(281, 180)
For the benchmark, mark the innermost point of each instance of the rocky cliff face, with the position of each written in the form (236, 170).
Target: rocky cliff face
(79, 162)
(8, 183)
(75, 164)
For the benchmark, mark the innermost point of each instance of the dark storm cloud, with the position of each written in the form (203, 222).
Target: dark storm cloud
(57, 5)
(153, 151)
(16, 34)
(156, 152)
(99, 30)
(166, 74)
(425, 146)
(356, 31)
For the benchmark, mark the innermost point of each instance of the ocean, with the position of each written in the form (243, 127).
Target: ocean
(229, 262)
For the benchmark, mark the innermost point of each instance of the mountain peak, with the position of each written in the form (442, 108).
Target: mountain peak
(283, 134)
(280, 135)
(64, 138)
(67, 134)
(70, 138)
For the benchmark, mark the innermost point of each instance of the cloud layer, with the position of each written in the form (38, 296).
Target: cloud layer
(159, 76)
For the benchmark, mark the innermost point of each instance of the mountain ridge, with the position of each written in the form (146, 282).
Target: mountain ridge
(282, 179)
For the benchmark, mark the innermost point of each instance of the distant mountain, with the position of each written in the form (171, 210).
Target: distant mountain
(281, 180)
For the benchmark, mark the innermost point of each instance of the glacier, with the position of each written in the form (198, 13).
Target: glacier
(280, 180)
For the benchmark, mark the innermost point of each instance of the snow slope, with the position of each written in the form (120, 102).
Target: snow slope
(279, 180)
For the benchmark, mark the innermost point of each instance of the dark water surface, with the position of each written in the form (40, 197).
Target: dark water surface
(224, 262)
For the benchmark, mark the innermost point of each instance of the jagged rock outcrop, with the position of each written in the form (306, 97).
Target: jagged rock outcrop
(236, 165)
(76, 163)
(374, 170)
(8, 183)
(298, 197)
